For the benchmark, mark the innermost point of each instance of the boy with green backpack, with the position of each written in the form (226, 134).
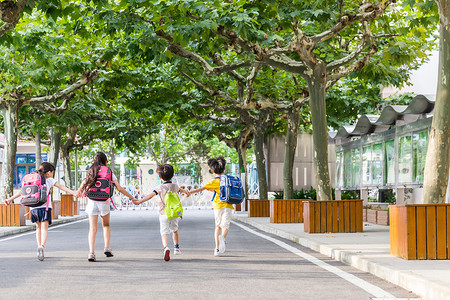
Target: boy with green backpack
(170, 209)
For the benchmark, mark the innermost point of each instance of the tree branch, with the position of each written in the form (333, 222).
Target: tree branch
(86, 78)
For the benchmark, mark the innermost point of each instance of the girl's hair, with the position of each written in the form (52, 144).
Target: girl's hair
(99, 160)
(217, 165)
(44, 168)
(165, 171)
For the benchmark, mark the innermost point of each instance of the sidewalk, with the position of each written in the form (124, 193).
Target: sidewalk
(367, 251)
(5, 231)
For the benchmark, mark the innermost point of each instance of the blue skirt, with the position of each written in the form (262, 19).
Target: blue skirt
(41, 215)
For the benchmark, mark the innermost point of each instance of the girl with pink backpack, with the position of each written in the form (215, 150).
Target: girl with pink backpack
(40, 205)
(98, 188)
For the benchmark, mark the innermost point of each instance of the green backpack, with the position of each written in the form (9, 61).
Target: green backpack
(173, 207)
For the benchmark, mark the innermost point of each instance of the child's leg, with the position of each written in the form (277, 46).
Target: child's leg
(38, 233)
(44, 233)
(216, 236)
(165, 240)
(175, 237)
(93, 219)
(226, 220)
(224, 232)
(106, 229)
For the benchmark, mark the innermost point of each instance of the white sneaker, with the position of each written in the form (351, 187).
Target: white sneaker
(166, 254)
(222, 244)
(216, 252)
(176, 251)
(40, 253)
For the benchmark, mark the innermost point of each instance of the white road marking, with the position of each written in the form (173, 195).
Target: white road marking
(368, 287)
(34, 232)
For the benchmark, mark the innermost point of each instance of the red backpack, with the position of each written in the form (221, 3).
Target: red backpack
(34, 190)
(103, 188)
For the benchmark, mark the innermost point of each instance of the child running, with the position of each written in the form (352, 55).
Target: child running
(222, 211)
(96, 208)
(40, 214)
(166, 225)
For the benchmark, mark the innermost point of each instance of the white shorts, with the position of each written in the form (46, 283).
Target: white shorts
(166, 225)
(223, 217)
(96, 208)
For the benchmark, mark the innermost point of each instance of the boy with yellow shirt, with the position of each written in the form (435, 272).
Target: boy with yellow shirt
(222, 211)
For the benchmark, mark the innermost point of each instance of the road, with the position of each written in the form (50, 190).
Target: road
(256, 265)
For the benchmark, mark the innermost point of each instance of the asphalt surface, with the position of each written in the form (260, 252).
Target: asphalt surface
(256, 265)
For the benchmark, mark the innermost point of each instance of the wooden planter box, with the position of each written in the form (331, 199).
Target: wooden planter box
(237, 207)
(12, 215)
(258, 208)
(376, 216)
(286, 211)
(67, 205)
(333, 216)
(420, 231)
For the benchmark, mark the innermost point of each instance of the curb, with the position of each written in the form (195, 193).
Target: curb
(418, 284)
(21, 229)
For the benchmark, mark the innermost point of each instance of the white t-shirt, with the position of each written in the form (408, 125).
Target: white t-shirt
(50, 182)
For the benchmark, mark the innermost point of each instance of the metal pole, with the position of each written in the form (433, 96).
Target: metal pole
(76, 168)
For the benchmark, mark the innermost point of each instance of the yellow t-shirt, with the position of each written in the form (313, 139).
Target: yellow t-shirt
(214, 186)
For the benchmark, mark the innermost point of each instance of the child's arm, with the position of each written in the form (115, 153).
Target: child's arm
(66, 189)
(187, 193)
(197, 190)
(124, 191)
(146, 198)
(9, 200)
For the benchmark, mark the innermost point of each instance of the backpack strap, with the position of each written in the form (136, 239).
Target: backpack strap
(214, 195)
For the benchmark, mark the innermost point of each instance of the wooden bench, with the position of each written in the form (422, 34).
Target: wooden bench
(333, 216)
(420, 231)
(258, 208)
(286, 211)
(12, 215)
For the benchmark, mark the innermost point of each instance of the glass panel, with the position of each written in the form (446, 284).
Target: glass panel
(404, 159)
(347, 168)
(21, 159)
(21, 172)
(31, 169)
(339, 169)
(356, 166)
(31, 158)
(44, 157)
(389, 162)
(366, 165)
(419, 154)
(377, 164)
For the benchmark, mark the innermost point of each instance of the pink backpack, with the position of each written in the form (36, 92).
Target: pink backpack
(34, 190)
(103, 188)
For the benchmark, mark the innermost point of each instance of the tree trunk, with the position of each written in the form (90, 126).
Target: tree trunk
(289, 154)
(242, 153)
(317, 84)
(65, 157)
(55, 144)
(38, 149)
(437, 161)
(261, 163)
(10, 117)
